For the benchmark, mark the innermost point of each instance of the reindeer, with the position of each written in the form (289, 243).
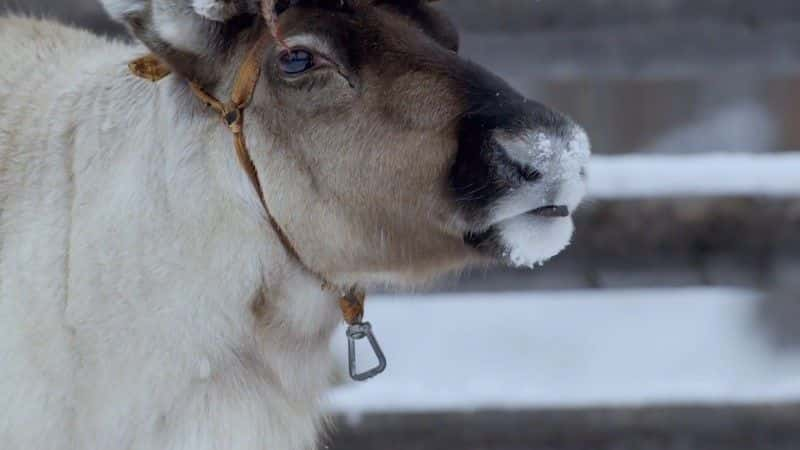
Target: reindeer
(155, 295)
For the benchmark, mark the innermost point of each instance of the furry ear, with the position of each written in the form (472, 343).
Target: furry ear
(186, 34)
(216, 10)
(223, 10)
(119, 9)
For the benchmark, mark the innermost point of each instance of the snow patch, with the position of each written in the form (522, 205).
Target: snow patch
(570, 349)
(557, 158)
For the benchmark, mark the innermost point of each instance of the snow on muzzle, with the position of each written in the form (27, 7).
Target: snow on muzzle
(540, 179)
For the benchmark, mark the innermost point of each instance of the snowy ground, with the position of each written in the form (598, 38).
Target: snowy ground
(530, 351)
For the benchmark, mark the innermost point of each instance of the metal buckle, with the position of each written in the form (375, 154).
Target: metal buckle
(356, 333)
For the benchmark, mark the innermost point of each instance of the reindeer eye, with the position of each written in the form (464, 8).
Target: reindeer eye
(295, 62)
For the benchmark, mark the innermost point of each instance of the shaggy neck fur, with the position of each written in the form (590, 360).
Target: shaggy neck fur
(145, 302)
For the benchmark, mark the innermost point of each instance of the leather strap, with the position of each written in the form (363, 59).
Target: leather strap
(352, 306)
(153, 69)
(150, 68)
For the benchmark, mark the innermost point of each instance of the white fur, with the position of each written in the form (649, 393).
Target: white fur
(129, 267)
(533, 240)
(530, 241)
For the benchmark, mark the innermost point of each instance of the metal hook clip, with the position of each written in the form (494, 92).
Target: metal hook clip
(357, 332)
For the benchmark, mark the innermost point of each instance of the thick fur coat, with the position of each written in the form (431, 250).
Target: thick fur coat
(102, 242)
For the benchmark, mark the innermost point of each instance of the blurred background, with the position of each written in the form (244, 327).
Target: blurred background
(673, 322)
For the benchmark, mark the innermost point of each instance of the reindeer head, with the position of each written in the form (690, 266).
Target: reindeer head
(384, 155)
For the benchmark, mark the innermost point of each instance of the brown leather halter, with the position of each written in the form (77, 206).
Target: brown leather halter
(232, 113)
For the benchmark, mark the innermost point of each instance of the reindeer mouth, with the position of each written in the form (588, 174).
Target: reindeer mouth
(553, 211)
(528, 239)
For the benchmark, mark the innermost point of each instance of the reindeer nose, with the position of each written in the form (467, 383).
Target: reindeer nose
(516, 155)
(542, 155)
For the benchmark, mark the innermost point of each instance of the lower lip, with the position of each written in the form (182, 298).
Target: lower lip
(547, 212)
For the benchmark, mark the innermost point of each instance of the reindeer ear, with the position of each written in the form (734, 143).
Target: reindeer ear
(188, 35)
(224, 10)
(120, 9)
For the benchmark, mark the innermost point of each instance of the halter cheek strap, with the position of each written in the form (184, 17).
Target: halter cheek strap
(232, 113)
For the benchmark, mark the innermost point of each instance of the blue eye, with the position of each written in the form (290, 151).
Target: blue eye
(295, 62)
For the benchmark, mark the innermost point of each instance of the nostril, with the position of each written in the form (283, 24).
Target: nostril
(528, 173)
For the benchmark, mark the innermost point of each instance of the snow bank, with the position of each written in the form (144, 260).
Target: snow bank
(569, 349)
(637, 176)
